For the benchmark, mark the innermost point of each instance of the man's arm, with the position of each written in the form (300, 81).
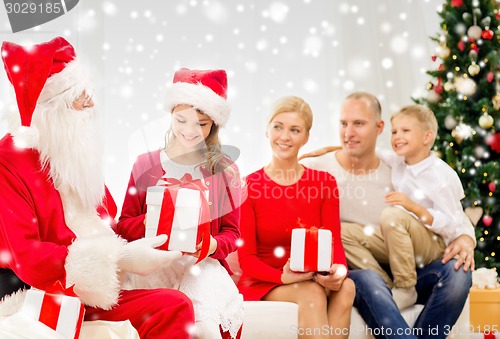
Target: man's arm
(320, 151)
(463, 248)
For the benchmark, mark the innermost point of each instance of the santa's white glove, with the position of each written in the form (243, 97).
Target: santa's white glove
(142, 257)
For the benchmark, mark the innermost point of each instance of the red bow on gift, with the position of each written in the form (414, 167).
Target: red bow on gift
(311, 241)
(51, 305)
(168, 210)
(58, 288)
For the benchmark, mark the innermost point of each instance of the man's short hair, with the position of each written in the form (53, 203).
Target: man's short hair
(370, 99)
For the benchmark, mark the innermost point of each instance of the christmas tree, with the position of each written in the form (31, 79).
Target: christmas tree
(464, 93)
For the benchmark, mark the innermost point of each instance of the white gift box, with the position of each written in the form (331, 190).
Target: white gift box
(64, 314)
(184, 232)
(317, 257)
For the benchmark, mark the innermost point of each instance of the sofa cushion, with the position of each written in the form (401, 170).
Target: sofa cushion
(270, 319)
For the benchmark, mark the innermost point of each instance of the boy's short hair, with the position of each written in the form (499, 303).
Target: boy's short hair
(423, 114)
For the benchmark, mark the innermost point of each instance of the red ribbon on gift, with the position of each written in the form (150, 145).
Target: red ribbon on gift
(311, 247)
(51, 306)
(311, 250)
(168, 209)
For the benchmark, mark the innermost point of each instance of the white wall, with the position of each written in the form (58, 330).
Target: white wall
(320, 50)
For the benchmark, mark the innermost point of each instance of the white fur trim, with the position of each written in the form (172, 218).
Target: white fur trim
(74, 77)
(92, 266)
(12, 303)
(200, 97)
(162, 278)
(25, 137)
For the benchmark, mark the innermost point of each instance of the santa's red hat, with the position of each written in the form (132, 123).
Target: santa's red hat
(40, 72)
(205, 90)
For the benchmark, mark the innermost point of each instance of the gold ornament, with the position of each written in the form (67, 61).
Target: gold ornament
(449, 86)
(466, 86)
(450, 122)
(474, 214)
(442, 52)
(474, 69)
(429, 86)
(486, 121)
(461, 132)
(496, 101)
(474, 32)
(457, 136)
(433, 97)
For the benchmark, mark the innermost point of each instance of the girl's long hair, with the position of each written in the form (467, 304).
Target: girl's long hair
(215, 160)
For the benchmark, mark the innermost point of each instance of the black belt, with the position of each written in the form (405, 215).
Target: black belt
(10, 283)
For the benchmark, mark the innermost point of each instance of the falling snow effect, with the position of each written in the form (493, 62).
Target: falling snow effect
(279, 252)
(321, 50)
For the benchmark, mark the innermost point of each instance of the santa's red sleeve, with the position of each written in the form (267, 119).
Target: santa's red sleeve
(37, 244)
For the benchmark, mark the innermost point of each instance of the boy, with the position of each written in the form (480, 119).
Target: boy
(425, 213)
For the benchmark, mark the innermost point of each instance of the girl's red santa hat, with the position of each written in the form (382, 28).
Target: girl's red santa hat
(205, 90)
(43, 74)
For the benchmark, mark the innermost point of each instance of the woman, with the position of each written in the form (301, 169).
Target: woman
(279, 195)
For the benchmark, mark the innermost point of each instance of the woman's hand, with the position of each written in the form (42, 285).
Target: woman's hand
(334, 279)
(290, 277)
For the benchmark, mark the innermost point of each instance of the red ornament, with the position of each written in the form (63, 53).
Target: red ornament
(487, 34)
(473, 45)
(438, 88)
(457, 3)
(461, 45)
(433, 58)
(487, 220)
(492, 187)
(494, 142)
(490, 76)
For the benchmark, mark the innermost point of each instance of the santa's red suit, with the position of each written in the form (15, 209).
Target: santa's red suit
(43, 239)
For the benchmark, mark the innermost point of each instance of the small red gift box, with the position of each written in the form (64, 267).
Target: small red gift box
(311, 250)
(180, 210)
(58, 308)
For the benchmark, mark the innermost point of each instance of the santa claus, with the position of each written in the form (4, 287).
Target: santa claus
(55, 212)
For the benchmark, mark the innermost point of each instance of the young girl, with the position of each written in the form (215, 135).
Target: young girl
(197, 102)
(279, 195)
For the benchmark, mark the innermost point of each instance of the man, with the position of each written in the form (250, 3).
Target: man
(55, 212)
(364, 180)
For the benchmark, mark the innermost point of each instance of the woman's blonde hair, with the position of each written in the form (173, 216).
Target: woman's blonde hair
(293, 104)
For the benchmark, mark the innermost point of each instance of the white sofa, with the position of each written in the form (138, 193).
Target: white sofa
(277, 320)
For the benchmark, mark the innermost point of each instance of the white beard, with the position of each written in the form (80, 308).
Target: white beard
(70, 147)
